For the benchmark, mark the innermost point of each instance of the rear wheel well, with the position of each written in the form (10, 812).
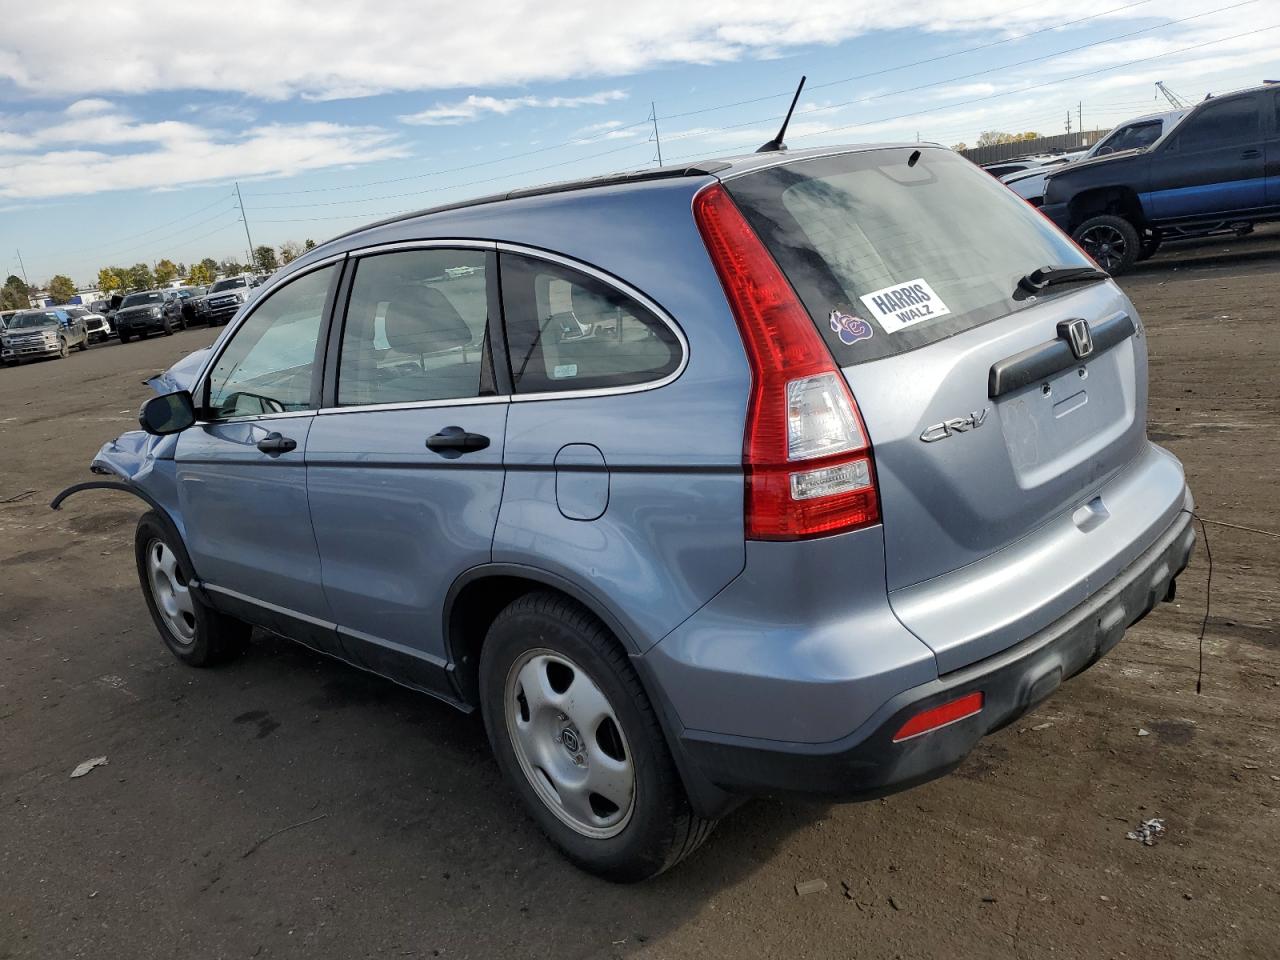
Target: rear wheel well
(474, 608)
(1117, 201)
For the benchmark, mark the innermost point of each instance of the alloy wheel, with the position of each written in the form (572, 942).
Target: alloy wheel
(570, 743)
(1105, 244)
(171, 592)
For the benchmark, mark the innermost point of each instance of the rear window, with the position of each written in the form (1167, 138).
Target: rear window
(889, 257)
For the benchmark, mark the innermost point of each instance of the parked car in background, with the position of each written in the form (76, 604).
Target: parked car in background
(1132, 134)
(695, 487)
(1003, 168)
(40, 334)
(224, 298)
(143, 313)
(97, 325)
(182, 305)
(1217, 169)
(5, 317)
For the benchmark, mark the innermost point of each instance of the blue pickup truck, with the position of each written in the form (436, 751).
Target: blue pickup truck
(1217, 169)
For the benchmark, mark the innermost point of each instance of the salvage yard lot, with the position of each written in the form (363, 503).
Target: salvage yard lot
(289, 806)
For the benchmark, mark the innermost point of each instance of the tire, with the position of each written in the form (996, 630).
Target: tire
(647, 826)
(195, 633)
(1151, 241)
(167, 326)
(125, 337)
(1112, 241)
(64, 350)
(83, 345)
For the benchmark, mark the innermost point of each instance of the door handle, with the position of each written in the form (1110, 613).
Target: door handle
(454, 442)
(1251, 154)
(274, 444)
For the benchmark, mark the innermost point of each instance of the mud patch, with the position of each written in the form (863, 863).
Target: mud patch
(107, 522)
(35, 556)
(266, 725)
(1176, 732)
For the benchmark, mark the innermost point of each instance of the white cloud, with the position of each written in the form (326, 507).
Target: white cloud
(472, 107)
(84, 108)
(292, 48)
(67, 157)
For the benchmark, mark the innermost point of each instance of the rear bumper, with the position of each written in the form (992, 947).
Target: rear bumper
(867, 763)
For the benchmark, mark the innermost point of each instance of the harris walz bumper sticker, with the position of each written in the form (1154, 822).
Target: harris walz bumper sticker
(850, 329)
(903, 304)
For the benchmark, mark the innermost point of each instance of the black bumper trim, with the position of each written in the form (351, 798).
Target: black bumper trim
(868, 764)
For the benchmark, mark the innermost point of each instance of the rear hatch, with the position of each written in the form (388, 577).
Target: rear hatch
(986, 426)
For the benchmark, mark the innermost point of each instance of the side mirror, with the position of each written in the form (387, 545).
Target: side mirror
(171, 413)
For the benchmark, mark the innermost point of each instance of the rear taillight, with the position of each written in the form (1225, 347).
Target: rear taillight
(808, 463)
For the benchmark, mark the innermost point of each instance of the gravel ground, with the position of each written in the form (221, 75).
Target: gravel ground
(288, 806)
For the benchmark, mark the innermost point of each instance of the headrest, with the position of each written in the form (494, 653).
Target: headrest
(421, 320)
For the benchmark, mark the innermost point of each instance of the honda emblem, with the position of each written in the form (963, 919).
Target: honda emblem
(1077, 334)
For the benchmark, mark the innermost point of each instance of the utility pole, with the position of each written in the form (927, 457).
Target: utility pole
(1080, 116)
(653, 115)
(246, 225)
(23, 267)
(1068, 121)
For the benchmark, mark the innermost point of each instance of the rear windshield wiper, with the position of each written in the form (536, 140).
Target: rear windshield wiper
(1043, 277)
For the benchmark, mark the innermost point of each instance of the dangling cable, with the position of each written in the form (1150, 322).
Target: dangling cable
(1208, 593)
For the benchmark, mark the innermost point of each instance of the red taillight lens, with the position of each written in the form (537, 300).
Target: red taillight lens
(808, 461)
(935, 717)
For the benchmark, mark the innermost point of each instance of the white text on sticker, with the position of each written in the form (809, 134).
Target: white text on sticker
(903, 304)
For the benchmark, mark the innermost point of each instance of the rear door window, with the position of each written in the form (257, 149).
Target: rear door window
(1220, 124)
(567, 330)
(888, 256)
(416, 329)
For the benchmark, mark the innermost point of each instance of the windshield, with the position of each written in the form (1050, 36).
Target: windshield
(139, 299)
(231, 284)
(1129, 137)
(33, 318)
(888, 257)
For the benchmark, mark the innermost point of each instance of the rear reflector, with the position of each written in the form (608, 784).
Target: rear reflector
(936, 717)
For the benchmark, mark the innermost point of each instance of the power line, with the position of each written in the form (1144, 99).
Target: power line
(914, 63)
(699, 133)
(1008, 93)
(968, 76)
(724, 106)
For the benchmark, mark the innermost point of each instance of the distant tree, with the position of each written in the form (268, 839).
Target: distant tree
(182, 269)
(990, 138)
(109, 280)
(14, 294)
(211, 265)
(140, 277)
(290, 250)
(230, 267)
(264, 259)
(166, 270)
(61, 289)
(959, 147)
(200, 275)
(309, 245)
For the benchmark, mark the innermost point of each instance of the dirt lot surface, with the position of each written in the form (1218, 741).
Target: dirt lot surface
(286, 806)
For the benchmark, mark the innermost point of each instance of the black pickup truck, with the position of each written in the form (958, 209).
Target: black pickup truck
(1217, 169)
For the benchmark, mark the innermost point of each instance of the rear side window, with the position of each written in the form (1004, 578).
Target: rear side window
(415, 329)
(1230, 121)
(887, 256)
(567, 330)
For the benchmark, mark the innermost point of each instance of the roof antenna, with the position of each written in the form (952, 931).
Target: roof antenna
(776, 143)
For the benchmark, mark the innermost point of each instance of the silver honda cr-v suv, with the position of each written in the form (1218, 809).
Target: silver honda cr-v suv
(790, 473)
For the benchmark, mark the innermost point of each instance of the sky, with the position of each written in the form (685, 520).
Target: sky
(125, 127)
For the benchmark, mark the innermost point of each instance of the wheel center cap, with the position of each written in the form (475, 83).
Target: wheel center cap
(570, 740)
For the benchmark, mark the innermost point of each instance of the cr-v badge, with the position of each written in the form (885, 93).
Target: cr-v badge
(940, 431)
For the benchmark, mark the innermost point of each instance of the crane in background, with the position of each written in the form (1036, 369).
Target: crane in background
(1174, 100)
